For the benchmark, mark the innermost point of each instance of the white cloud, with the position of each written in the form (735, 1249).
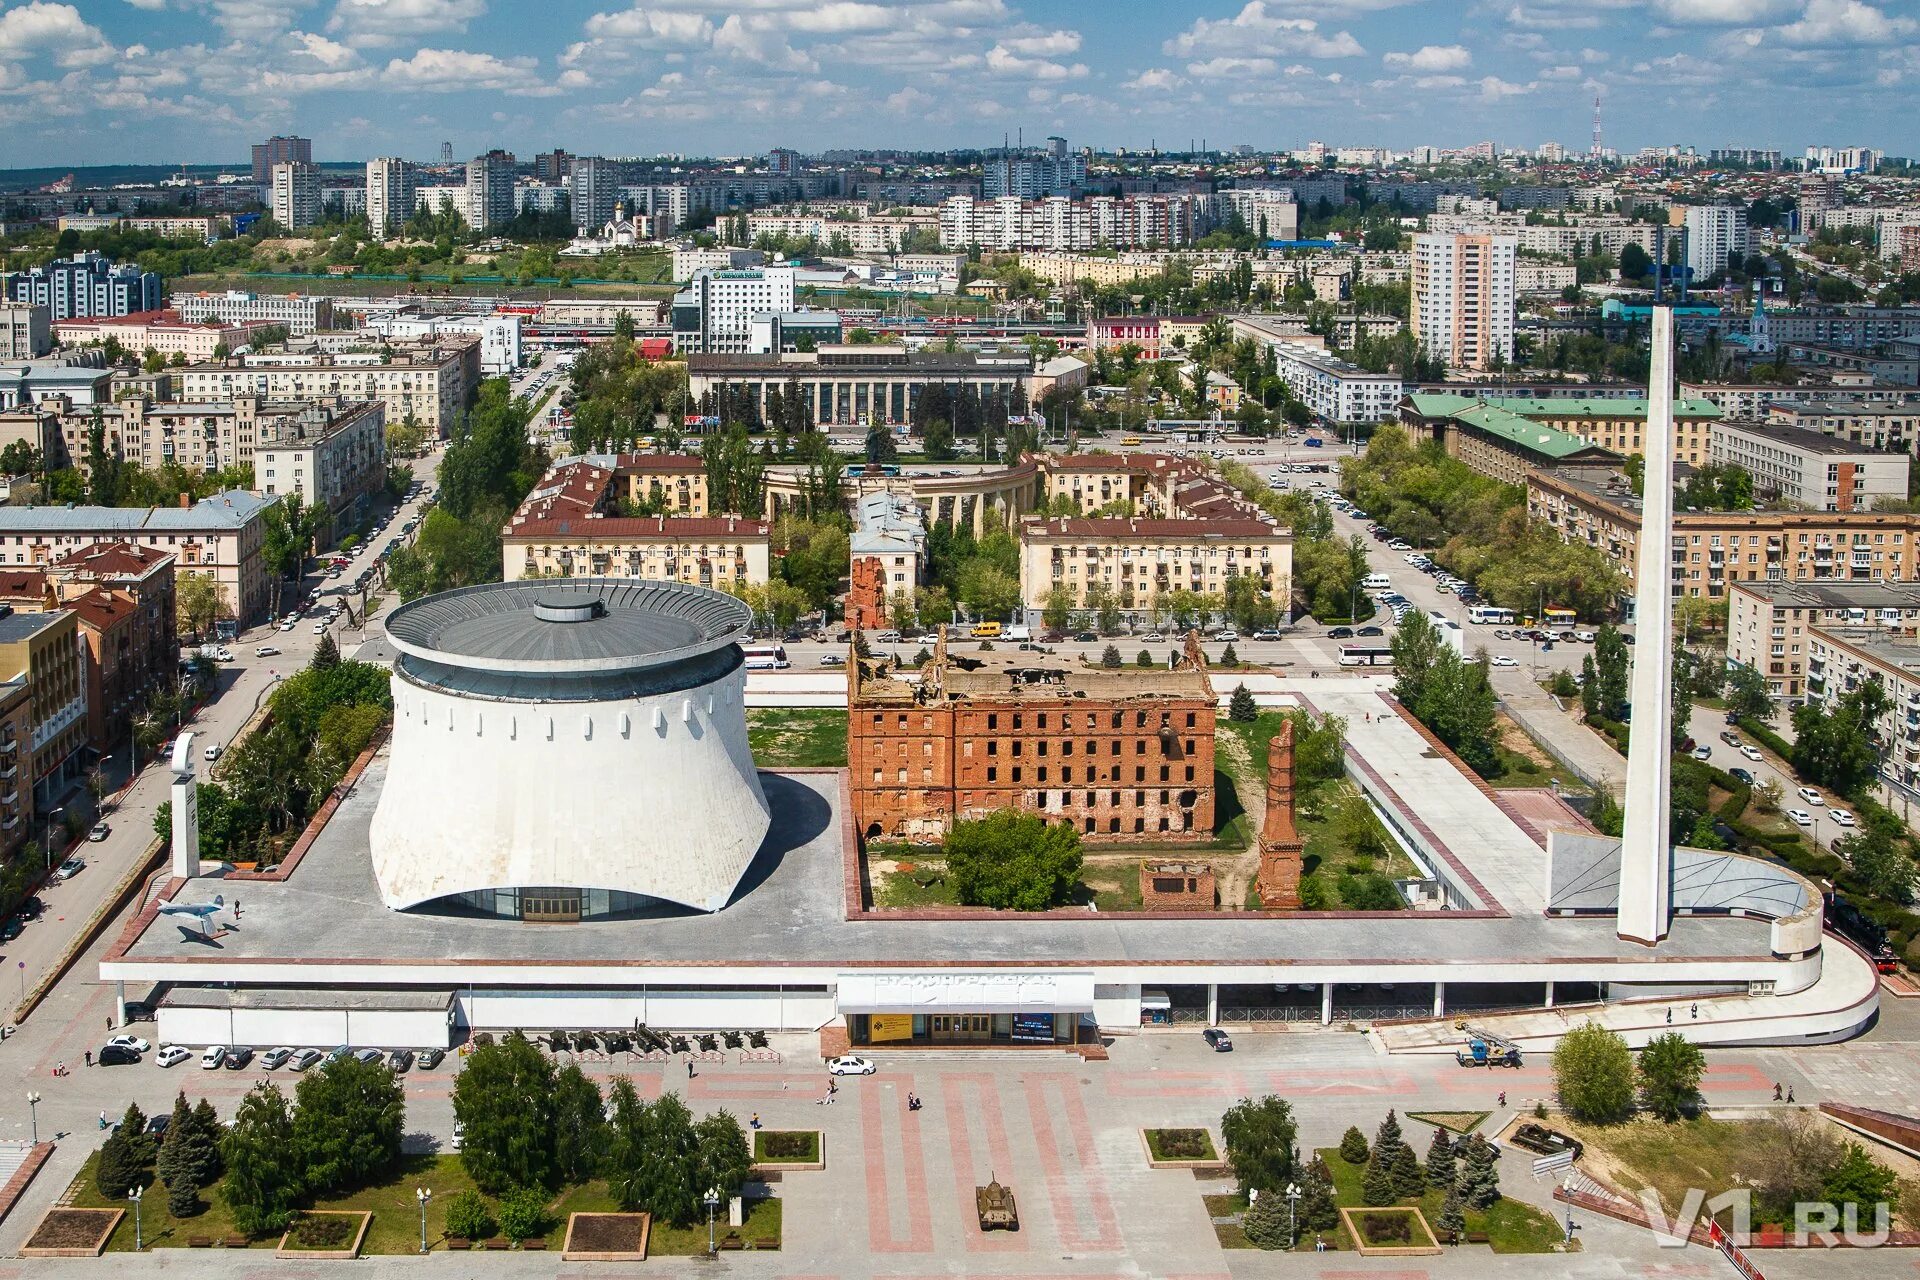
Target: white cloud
(1432, 57)
(651, 26)
(1213, 68)
(1254, 31)
(373, 22)
(254, 19)
(58, 29)
(328, 53)
(759, 40)
(1003, 61)
(448, 70)
(1155, 79)
(1046, 44)
(1493, 88)
(1545, 18)
(842, 16)
(1827, 23)
(151, 6)
(1723, 12)
(908, 101)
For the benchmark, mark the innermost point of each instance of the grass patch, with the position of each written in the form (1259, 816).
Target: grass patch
(786, 1146)
(1229, 1234)
(797, 738)
(1510, 1226)
(901, 889)
(1180, 1144)
(763, 1222)
(1110, 886)
(396, 1213)
(1392, 1228)
(1451, 1121)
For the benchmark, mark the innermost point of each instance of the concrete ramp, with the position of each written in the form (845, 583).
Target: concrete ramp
(1844, 1000)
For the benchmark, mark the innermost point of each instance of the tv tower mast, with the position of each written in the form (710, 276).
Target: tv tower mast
(1596, 126)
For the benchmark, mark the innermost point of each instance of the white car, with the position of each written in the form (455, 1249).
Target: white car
(1584, 637)
(134, 1043)
(1840, 817)
(1502, 660)
(213, 752)
(286, 626)
(215, 1055)
(1800, 817)
(223, 654)
(1811, 796)
(320, 627)
(1750, 751)
(172, 1055)
(850, 1065)
(266, 651)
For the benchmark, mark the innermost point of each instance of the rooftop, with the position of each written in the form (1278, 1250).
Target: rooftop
(1893, 653)
(1142, 527)
(233, 509)
(1834, 594)
(16, 626)
(666, 528)
(567, 627)
(1526, 434)
(1797, 438)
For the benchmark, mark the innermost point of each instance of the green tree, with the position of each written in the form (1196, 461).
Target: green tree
(347, 1121)
(1143, 660)
(721, 1155)
(1260, 1135)
(1479, 1177)
(1835, 744)
(1376, 1185)
(1416, 646)
(1880, 856)
(1670, 1071)
(1110, 658)
(652, 1162)
(1453, 1215)
(1613, 669)
(1863, 1182)
(1058, 608)
(263, 1181)
(1442, 1167)
(1241, 707)
(1409, 1179)
(124, 1156)
(579, 1126)
(1353, 1145)
(1266, 1222)
(503, 1099)
(1318, 1208)
(1747, 693)
(1013, 861)
(523, 1214)
(1593, 1074)
(469, 1217)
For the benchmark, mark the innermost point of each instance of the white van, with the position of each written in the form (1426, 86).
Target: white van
(1376, 582)
(1020, 633)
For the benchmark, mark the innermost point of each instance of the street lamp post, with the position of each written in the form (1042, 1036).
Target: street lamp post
(1293, 1200)
(425, 1197)
(33, 1106)
(51, 815)
(137, 1194)
(713, 1202)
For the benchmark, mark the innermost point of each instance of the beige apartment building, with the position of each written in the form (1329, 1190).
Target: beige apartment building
(718, 552)
(1715, 549)
(161, 331)
(1143, 559)
(1889, 427)
(1839, 659)
(1769, 624)
(44, 647)
(426, 383)
(1617, 424)
(677, 479)
(1807, 469)
(334, 459)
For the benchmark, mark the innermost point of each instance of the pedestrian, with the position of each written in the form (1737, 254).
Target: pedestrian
(103, 1119)
(109, 1026)
(1503, 1097)
(1696, 1009)
(1669, 1015)
(89, 1057)
(236, 908)
(1789, 1093)
(1776, 1091)
(755, 1122)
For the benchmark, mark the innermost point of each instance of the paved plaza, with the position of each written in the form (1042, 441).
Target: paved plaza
(895, 1200)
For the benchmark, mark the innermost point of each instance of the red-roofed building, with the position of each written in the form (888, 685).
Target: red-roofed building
(124, 595)
(162, 331)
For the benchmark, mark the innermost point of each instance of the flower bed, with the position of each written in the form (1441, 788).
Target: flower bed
(328, 1234)
(789, 1150)
(72, 1233)
(1179, 1148)
(1390, 1232)
(606, 1237)
(1452, 1121)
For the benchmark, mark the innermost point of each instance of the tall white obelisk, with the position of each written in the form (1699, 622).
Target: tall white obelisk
(1646, 854)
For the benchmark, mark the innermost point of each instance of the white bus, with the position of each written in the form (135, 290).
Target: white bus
(1366, 655)
(765, 657)
(1489, 615)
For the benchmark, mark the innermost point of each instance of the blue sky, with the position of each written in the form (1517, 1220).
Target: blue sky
(160, 81)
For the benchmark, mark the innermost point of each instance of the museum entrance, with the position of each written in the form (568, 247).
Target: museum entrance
(553, 906)
(887, 1030)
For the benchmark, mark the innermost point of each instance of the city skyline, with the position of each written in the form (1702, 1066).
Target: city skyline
(193, 81)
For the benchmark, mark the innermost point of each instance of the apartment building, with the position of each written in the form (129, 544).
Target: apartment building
(16, 764)
(1715, 234)
(1840, 659)
(1496, 441)
(1120, 331)
(295, 196)
(860, 230)
(1269, 215)
(593, 188)
(689, 260)
(1808, 469)
(1337, 390)
(1121, 222)
(1770, 623)
(1888, 427)
(717, 551)
(1616, 423)
(26, 330)
(1064, 268)
(206, 230)
(490, 201)
(302, 314)
(198, 435)
(161, 331)
(429, 384)
(44, 647)
(1121, 755)
(89, 284)
(714, 313)
(277, 150)
(333, 458)
(1714, 549)
(1462, 307)
(389, 195)
(1143, 559)
(1563, 238)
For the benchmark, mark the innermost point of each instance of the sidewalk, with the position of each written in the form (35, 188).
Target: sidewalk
(1559, 732)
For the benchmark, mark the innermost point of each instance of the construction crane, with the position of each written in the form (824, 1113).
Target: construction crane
(1486, 1049)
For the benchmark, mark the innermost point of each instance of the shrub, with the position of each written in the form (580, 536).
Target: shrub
(1181, 1144)
(1228, 658)
(523, 1214)
(1564, 685)
(1353, 1145)
(469, 1216)
(1387, 1228)
(1143, 660)
(1110, 658)
(1265, 1222)
(792, 1145)
(1240, 707)
(1594, 1074)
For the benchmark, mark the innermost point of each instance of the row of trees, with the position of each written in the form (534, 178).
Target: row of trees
(527, 1126)
(1446, 692)
(186, 1158)
(1599, 1082)
(339, 1133)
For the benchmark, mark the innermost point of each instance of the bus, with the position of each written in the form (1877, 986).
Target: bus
(986, 631)
(768, 656)
(1366, 655)
(1487, 614)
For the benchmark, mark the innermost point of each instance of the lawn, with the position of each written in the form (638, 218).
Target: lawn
(1180, 1144)
(396, 1213)
(797, 738)
(763, 1219)
(1111, 885)
(1511, 1227)
(1229, 1234)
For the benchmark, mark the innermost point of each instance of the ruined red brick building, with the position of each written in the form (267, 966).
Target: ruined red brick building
(1281, 847)
(1177, 886)
(1125, 756)
(866, 604)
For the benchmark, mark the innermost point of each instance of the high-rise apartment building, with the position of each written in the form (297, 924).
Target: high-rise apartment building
(295, 199)
(389, 195)
(714, 313)
(1715, 232)
(26, 330)
(83, 286)
(1463, 296)
(595, 188)
(490, 189)
(279, 150)
(552, 166)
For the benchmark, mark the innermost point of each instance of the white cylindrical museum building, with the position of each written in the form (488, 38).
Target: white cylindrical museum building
(568, 748)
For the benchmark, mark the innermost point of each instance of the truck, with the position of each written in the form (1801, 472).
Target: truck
(1485, 1049)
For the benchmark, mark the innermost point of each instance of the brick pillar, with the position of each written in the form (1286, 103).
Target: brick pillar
(1281, 847)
